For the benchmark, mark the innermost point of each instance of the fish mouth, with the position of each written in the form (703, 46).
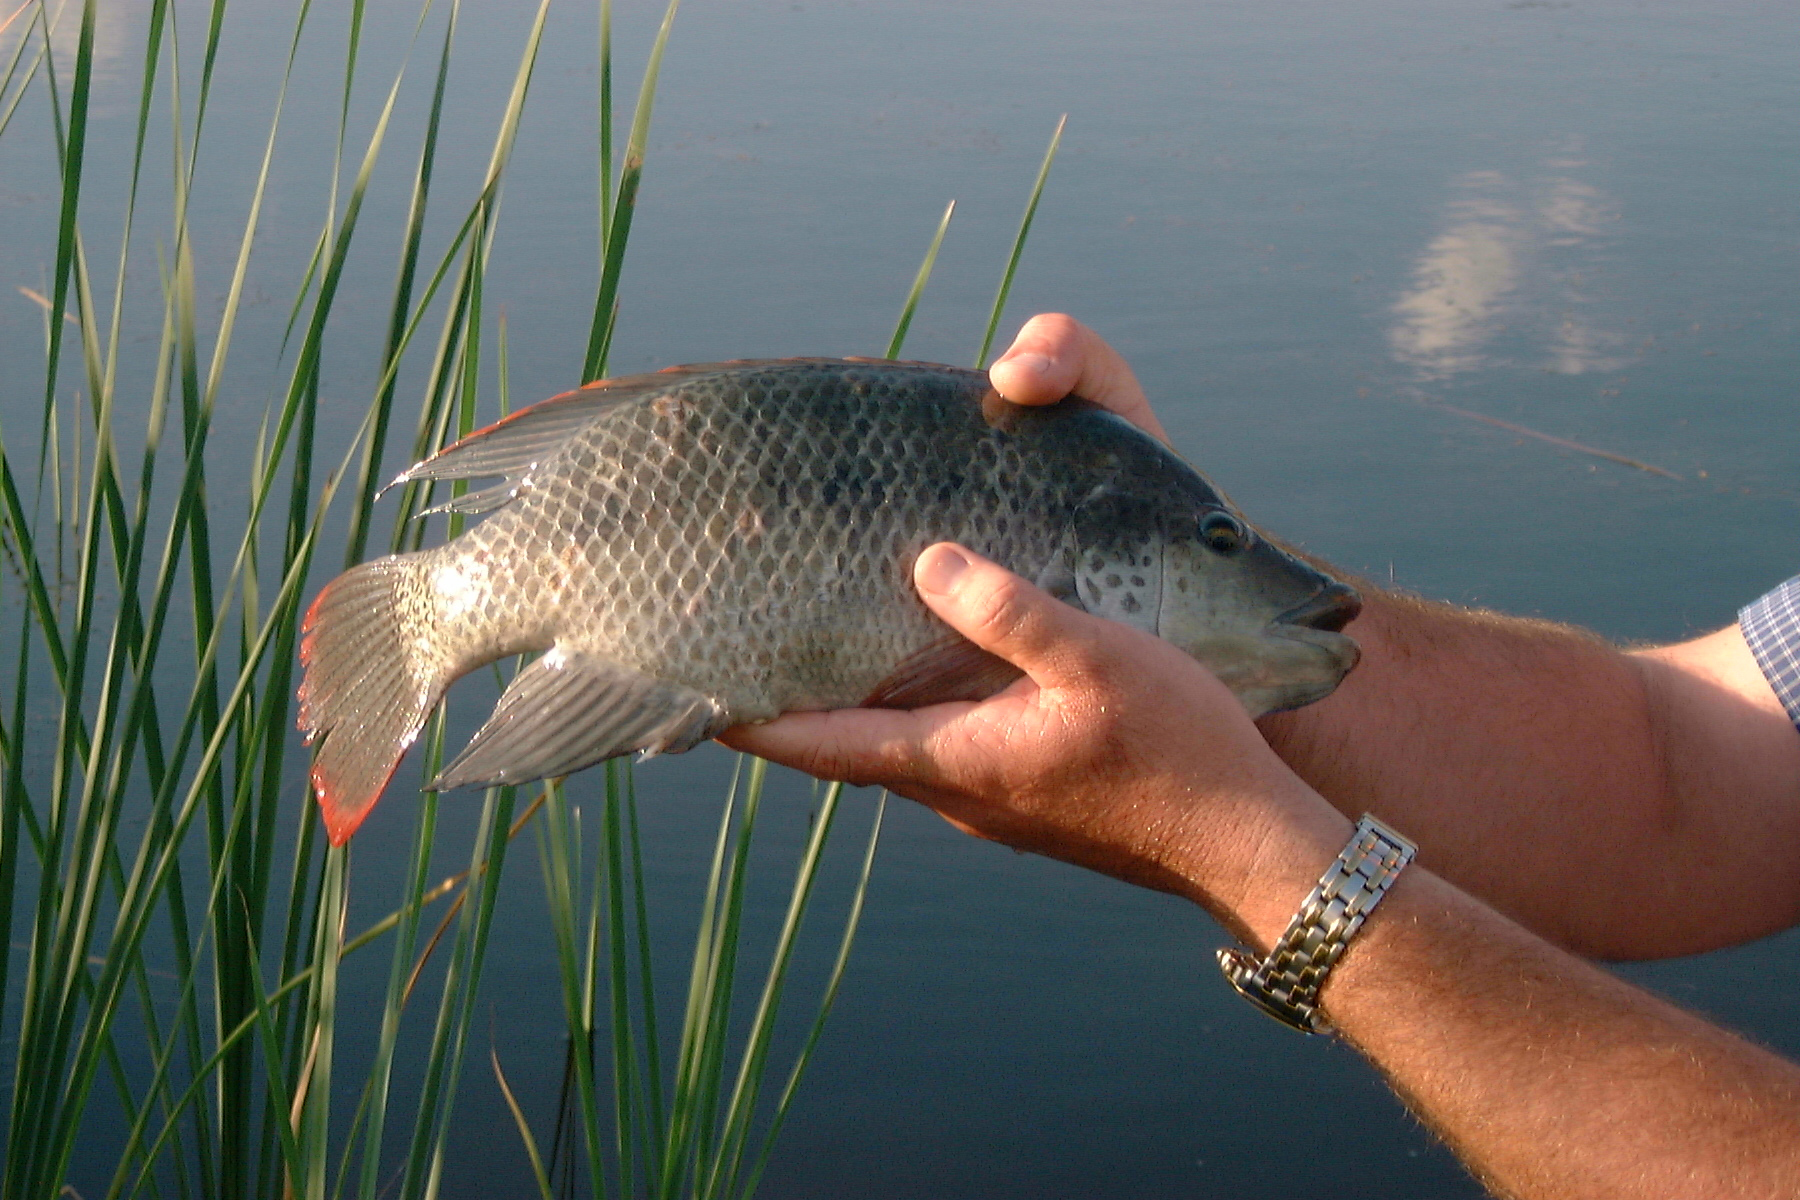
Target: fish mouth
(1319, 623)
(1329, 609)
(1298, 657)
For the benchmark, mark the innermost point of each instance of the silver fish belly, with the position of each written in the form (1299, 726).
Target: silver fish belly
(722, 543)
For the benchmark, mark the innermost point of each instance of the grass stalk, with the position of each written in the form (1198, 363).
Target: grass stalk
(919, 281)
(1018, 248)
(616, 216)
(183, 924)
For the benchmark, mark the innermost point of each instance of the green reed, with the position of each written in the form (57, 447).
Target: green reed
(182, 921)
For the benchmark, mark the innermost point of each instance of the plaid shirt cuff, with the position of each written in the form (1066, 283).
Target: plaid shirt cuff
(1771, 626)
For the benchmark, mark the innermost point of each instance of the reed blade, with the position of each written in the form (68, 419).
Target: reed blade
(1018, 247)
(919, 281)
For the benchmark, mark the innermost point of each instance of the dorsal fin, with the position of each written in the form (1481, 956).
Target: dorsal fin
(518, 441)
(514, 444)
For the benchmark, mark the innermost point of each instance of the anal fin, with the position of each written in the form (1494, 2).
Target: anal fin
(570, 710)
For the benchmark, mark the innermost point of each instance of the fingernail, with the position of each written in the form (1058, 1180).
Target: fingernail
(939, 568)
(1036, 364)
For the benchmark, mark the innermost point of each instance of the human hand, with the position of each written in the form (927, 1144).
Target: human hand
(1115, 751)
(1055, 355)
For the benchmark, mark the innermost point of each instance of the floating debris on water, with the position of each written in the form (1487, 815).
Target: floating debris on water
(1565, 443)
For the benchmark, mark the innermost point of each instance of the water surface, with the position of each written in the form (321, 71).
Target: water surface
(1316, 229)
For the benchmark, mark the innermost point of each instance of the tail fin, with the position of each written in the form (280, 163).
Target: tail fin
(365, 691)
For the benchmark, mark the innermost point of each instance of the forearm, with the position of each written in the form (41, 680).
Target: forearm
(1552, 1078)
(1479, 733)
(1549, 1077)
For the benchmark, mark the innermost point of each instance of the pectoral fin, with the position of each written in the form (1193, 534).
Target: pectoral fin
(956, 668)
(953, 669)
(570, 710)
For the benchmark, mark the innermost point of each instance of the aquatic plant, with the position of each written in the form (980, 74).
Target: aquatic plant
(171, 1007)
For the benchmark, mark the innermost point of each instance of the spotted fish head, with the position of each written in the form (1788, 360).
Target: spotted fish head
(1196, 574)
(1267, 624)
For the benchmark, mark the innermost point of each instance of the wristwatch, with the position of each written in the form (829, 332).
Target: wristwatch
(1286, 984)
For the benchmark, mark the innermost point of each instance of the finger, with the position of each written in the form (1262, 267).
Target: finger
(1054, 355)
(1045, 361)
(1003, 614)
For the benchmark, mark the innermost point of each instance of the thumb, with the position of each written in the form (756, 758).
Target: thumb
(1055, 355)
(1005, 615)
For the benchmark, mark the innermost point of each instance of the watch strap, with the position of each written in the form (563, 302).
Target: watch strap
(1286, 984)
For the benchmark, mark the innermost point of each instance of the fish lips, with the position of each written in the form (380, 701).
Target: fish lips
(1318, 624)
(1339, 650)
(1295, 666)
(1298, 657)
(1280, 666)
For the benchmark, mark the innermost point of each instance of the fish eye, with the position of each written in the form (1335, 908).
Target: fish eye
(1222, 532)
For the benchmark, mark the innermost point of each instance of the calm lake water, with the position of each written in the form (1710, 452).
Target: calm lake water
(1316, 229)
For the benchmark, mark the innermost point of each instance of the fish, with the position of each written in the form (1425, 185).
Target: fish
(720, 543)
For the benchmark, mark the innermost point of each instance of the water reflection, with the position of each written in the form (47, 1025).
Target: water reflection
(1460, 282)
(1515, 258)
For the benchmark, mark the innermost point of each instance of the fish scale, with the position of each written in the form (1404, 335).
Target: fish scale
(725, 542)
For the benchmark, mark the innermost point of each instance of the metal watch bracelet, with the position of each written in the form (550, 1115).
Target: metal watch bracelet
(1286, 984)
